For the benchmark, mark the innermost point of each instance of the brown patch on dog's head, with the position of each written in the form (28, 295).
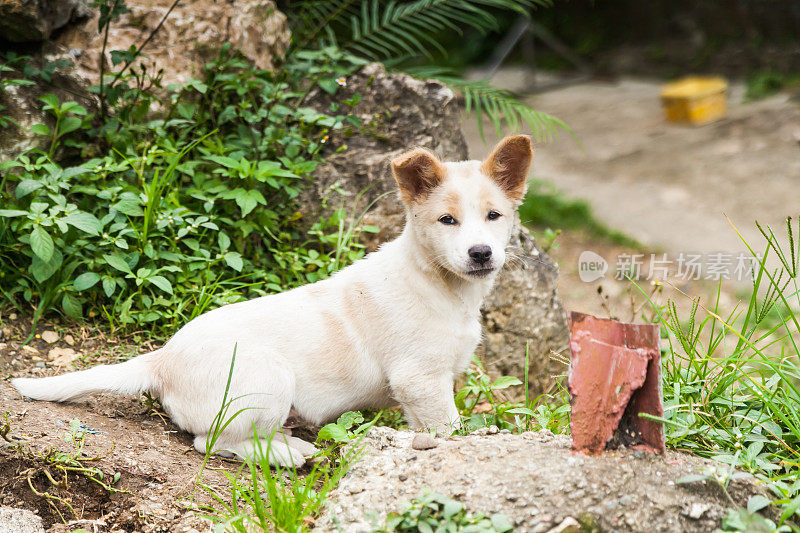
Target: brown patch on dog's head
(417, 173)
(451, 204)
(508, 165)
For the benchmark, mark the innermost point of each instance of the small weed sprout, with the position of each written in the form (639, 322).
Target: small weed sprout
(434, 512)
(55, 466)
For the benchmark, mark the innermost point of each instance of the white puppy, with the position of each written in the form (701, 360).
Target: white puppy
(395, 327)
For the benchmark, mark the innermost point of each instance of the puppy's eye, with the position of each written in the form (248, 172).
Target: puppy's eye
(447, 219)
(493, 215)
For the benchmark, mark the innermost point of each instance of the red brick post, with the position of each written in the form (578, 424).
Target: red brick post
(615, 374)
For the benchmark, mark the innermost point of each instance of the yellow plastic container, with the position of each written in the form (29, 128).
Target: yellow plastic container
(695, 100)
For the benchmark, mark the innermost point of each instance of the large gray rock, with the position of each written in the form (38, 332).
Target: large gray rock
(536, 481)
(21, 103)
(190, 37)
(19, 521)
(397, 113)
(35, 20)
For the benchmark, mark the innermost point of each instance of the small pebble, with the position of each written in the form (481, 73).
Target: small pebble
(697, 510)
(49, 336)
(69, 339)
(423, 441)
(569, 525)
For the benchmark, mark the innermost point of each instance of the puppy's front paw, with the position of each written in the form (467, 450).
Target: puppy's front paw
(442, 429)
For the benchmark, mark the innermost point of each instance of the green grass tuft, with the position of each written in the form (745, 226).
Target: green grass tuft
(767, 83)
(732, 386)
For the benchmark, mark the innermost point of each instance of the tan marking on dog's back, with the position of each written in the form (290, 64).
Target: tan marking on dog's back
(339, 355)
(367, 319)
(314, 290)
(362, 311)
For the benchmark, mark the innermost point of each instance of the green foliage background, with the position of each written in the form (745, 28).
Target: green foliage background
(170, 201)
(184, 211)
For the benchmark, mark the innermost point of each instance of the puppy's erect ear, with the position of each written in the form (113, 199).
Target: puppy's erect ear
(417, 172)
(508, 165)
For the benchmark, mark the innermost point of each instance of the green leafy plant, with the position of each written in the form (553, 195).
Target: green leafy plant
(186, 211)
(349, 426)
(69, 117)
(749, 520)
(481, 403)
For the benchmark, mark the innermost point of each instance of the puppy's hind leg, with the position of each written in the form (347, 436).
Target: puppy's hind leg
(304, 447)
(248, 425)
(275, 449)
(281, 453)
(201, 445)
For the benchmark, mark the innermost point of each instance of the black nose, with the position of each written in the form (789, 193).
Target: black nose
(480, 253)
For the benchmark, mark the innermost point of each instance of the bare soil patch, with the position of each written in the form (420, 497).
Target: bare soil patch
(155, 462)
(156, 465)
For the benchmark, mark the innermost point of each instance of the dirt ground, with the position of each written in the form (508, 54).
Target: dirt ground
(158, 487)
(157, 466)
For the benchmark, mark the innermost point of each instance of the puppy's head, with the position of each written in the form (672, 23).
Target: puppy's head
(462, 213)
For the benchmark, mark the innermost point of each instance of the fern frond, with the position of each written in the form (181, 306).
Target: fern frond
(311, 17)
(499, 106)
(394, 31)
(379, 30)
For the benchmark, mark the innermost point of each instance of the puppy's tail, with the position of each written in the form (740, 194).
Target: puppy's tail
(131, 377)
